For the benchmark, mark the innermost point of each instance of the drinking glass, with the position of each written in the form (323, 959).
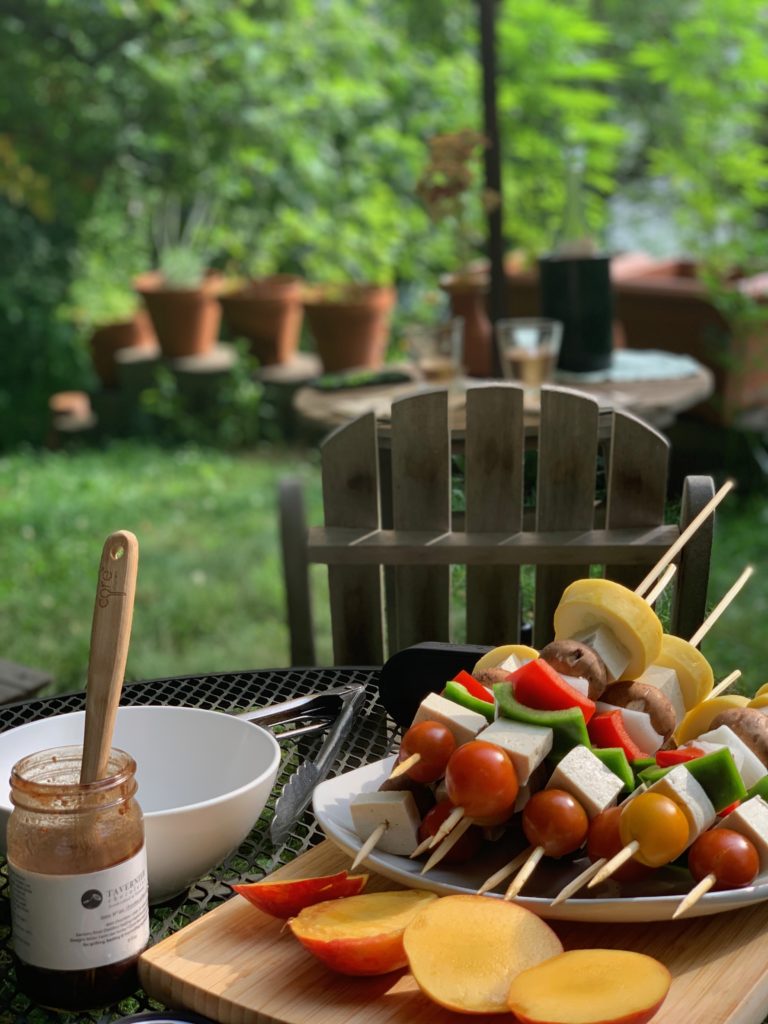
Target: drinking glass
(437, 351)
(528, 349)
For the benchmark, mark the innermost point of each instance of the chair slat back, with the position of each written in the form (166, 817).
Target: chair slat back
(493, 488)
(421, 500)
(350, 470)
(391, 539)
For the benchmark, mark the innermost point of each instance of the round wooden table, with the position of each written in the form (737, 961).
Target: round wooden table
(658, 400)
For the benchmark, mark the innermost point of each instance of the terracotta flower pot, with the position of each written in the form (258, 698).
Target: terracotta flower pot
(186, 320)
(268, 311)
(468, 298)
(353, 331)
(106, 340)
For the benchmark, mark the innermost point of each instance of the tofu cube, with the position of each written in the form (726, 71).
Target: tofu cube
(463, 723)
(527, 745)
(603, 642)
(665, 681)
(751, 820)
(398, 809)
(587, 779)
(578, 683)
(681, 787)
(750, 767)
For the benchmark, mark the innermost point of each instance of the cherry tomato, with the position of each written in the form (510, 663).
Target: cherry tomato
(603, 840)
(481, 778)
(658, 825)
(434, 743)
(556, 821)
(465, 849)
(727, 855)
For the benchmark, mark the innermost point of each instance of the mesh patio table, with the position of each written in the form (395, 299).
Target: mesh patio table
(369, 740)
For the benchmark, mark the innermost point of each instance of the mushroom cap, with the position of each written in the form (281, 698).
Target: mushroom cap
(643, 697)
(750, 725)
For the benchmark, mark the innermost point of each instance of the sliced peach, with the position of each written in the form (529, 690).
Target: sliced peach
(590, 986)
(288, 898)
(361, 934)
(464, 951)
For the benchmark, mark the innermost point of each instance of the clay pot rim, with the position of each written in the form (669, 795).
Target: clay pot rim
(152, 282)
(271, 287)
(357, 296)
(472, 281)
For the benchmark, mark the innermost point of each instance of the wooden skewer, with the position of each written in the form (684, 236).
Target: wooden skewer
(423, 845)
(694, 895)
(447, 845)
(369, 844)
(503, 873)
(728, 681)
(524, 873)
(661, 585)
(614, 863)
(720, 607)
(402, 768)
(687, 533)
(448, 825)
(580, 880)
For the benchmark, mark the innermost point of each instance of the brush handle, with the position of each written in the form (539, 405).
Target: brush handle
(110, 636)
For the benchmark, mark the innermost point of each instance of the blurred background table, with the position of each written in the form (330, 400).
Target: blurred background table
(656, 386)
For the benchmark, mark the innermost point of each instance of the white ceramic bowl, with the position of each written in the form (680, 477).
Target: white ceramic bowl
(204, 778)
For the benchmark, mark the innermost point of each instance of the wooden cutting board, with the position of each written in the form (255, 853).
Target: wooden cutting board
(239, 966)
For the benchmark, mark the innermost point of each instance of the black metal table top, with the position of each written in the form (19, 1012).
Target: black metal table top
(369, 740)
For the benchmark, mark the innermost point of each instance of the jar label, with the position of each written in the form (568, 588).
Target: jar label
(73, 922)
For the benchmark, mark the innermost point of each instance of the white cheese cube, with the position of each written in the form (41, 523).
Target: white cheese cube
(527, 745)
(637, 724)
(750, 767)
(524, 794)
(463, 723)
(511, 663)
(665, 680)
(395, 808)
(587, 779)
(603, 642)
(750, 819)
(682, 788)
(578, 683)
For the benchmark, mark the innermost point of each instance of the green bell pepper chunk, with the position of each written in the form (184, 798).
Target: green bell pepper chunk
(760, 788)
(568, 728)
(460, 695)
(719, 777)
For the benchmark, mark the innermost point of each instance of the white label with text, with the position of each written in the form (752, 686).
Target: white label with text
(74, 922)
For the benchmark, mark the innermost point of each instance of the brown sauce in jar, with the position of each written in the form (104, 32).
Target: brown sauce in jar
(78, 881)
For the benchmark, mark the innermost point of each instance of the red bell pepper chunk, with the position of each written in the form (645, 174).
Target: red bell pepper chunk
(669, 758)
(729, 808)
(537, 685)
(475, 688)
(606, 729)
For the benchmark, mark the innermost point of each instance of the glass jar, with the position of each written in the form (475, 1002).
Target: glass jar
(78, 879)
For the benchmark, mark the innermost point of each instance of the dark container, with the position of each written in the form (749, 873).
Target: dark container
(577, 291)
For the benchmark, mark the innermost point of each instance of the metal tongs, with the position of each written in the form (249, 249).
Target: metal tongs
(305, 715)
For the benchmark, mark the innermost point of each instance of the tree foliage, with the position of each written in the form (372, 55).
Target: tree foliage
(303, 125)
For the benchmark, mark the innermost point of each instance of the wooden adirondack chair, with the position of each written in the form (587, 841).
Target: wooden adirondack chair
(391, 537)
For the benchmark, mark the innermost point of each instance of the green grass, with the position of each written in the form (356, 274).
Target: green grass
(210, 595)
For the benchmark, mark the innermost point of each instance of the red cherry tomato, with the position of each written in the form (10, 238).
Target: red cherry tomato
(465, 849)
(434, 743)
(603, 840)
(556, 821)
(481, 778)
(728, 855)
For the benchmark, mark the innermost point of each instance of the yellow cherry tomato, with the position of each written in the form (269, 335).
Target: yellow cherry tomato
(658, 825)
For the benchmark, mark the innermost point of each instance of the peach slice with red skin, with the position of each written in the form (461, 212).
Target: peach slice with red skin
(590, 986)
(287, 899)
(361, 935)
